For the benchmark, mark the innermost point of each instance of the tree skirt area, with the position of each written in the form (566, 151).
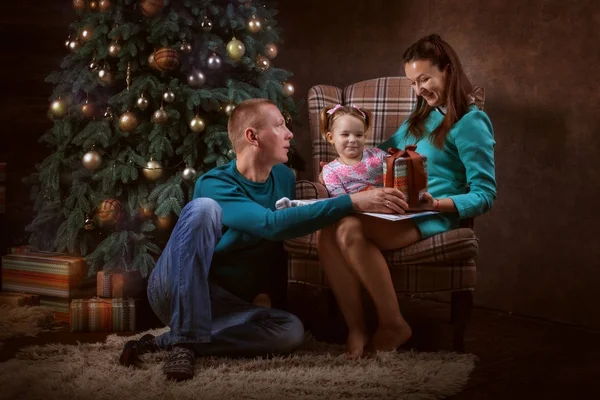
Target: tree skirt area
(316, 371)
(25, 321)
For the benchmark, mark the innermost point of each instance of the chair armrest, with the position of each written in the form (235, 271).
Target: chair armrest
(306, 190)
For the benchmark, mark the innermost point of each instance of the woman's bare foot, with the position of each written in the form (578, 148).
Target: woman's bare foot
(388, 338)
(355, 344)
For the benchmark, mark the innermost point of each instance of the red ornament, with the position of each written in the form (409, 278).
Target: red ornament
(151, 7)
(166, 59)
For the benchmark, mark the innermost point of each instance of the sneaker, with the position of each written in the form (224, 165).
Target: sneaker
(180, 364)
(135, 348)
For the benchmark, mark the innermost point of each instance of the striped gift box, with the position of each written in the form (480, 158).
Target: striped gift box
(47, 274)
(119, 284)
(19, 299)
(406, 170)
(58, 306)
(103, 315)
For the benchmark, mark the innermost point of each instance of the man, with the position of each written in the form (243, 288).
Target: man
(232, 232)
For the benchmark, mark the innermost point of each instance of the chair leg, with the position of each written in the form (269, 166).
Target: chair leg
(462, 304)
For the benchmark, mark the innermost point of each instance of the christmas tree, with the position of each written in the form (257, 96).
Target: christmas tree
(139, 110)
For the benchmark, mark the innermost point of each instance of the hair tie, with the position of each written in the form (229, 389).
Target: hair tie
(334, 109)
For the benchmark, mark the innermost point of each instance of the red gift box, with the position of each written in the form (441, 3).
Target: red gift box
(406, 170)
(119, 284)
(103, 315)
(19, 299)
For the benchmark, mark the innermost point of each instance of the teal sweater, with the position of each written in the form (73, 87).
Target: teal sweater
(463, 171)
(253, 230)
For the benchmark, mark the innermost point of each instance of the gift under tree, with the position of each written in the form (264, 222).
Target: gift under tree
(140, 110)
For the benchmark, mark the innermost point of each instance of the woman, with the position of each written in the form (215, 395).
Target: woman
(458, 141)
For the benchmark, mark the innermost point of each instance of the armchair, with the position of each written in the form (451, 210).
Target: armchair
(444, 262)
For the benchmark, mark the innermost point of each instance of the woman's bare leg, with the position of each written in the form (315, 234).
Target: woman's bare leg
(360, 241)
(346, 288)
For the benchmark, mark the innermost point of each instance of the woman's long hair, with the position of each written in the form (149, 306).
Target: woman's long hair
(458, 88)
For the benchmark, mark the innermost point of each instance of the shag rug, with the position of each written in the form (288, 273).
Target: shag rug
(24, 321)
(316, 371)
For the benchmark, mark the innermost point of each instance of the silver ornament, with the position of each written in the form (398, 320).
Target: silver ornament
(196, 79)
(113, 49)
(169, 96)
(91, 160)
(197, 124)
(160, 116)
(142, 103)
(185, 47)
(189, 174)
(229, 109)
(214, 61)
(206, 24)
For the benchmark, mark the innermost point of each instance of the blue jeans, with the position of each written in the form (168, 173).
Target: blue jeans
(200, 312)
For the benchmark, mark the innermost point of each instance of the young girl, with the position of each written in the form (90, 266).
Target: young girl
(357, 168)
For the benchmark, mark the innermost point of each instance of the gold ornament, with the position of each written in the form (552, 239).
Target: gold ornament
(114, 49)
(104, 5)
(229, 109)
(108, 213)
(153, 170)
(270, 50)
(93, 5)
(105, 76)
(164, 223)
(262, 62)
(197, 124)
(152, 61)
(160, 116)
(189, 174)
(68, 43)
(91, 160)
(166, 59)
(128, 122)
(58, 108)
(88, 110)
(206, 24)
(196, 79)
(74, 45)
(169, 96)
(146, 211)
(79, 5)
(235, 49)
(185, 47)
(89, 224)
(86, 34)
(214, 61)
(288, 89)
(151, 7)
(254, 24)
(108, 114)
(142, 102)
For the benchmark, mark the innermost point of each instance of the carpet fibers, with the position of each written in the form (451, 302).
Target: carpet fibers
(316, 371)
(24, 321)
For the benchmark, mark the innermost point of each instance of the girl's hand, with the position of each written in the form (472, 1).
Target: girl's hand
(428, 203)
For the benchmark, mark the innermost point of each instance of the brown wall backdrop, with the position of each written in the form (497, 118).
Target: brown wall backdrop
(538, 61)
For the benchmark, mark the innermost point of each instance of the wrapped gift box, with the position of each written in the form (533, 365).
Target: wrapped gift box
(119, 284)
(406, 170)
(19, 299)
(59, 307)
(20, 249)
(103, 315)
(47, 274)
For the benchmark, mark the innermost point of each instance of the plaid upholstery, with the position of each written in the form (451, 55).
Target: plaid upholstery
(440, 263)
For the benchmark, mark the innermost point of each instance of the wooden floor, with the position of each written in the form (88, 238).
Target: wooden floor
(519, 358)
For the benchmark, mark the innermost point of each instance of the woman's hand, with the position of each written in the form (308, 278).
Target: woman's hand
(383, 200)
(427, 202)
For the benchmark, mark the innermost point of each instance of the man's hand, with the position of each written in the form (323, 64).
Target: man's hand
(384, 200)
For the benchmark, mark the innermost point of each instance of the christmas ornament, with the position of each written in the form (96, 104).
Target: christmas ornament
(254, 24)
(146, 211)
(214, 62)
(287, 117)
(229, 109)
(128, 122)
(185, 47)
(288, 89)
(89, 224)
(164, 223)
(74, 45)
(58, 108)
(152, 61)
(151, 7)
(79, 5)
(169, 96)
(108, 114)
(189, 174)
(197, 124)
(196, 79)
(231, 154)
(160, 116)
(87, 110)
(235, 49)
(93, 5)
(104, 5)
(153, 170)
(270, 50)
(86, 34)
(142, 102)
(262, 62)
(108, 213)
(93, 66)
(91, 160)
(206, 24)
(166, 59)
(113, 49)
(105, 76)
(68, 43)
